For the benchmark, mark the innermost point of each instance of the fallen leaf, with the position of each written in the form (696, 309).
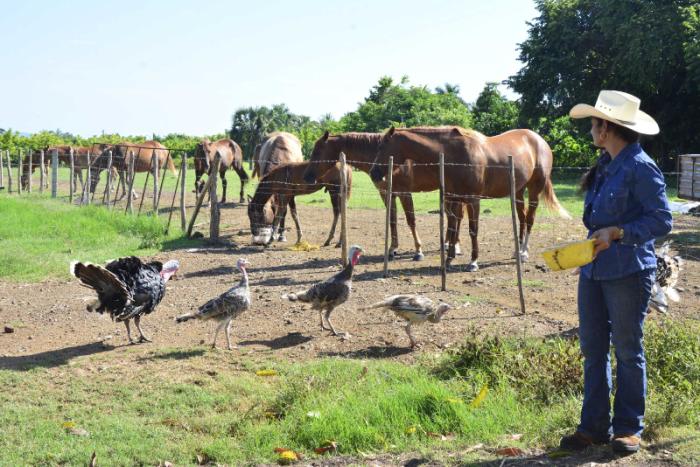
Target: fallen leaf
(313, 414)
(266, 373)
(479, 399)
(410, 430)
(476, 447)
(327, 446)
(78, 432)
(166, 464)
(510, 452)
(287, 456)
(516, 436)
(68, 425)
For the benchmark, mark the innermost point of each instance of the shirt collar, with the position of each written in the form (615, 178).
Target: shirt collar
(627, 151)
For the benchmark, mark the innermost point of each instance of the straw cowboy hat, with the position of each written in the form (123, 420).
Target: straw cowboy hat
(618, 107)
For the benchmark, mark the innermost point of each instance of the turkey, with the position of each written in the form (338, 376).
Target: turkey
(126, 288)
(415, 309)
(327, 295)
(226, 306)
(667, 270)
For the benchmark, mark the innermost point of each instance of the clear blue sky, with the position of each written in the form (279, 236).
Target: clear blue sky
(142, 67)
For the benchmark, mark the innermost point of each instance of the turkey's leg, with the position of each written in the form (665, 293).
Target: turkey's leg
(410, 336)
(143, 338)
(216, 333)
(328, 319)
(228, 333)
(128, 331)
(323, 324)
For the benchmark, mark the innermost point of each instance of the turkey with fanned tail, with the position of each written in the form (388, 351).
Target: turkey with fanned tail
(127, 288)
(327, 295)
(226, 306)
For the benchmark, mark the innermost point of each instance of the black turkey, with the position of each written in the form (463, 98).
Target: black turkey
(327, 295)
(226, 306)
(127, 288)
(667, 270)
(415, 309)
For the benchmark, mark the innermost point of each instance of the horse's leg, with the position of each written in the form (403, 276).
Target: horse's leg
(293, 209)
(277, 219)
(473, 206)
(224, 183)
(282, 210)
(407, 204)
(533, 202)
(520, 210)
(455, 211)
(243, 176)
(335, 202)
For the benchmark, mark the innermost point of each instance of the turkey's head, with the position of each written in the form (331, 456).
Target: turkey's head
(439, 312)
(242, 264)
(354, 254)
(169, 269)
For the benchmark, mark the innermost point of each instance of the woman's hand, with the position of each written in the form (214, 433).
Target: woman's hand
(603, 238)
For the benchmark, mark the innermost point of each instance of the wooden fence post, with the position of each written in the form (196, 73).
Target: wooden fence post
(387, 195)
(42, 167)
(215, 216)
(29, 171)
(443, 266)
(19, 174)
(2, 168)
(198, 205)
(54, 173)
(143, 194)
(9, 172)
(343, 211)
(130, 176)
(172, 204)
(515, 234)
(155, 163)
(108, 184)
(162, 177)
(71, 180)
(183, 212)
(88, 176)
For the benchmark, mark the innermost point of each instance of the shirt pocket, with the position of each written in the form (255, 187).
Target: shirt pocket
(616, 202)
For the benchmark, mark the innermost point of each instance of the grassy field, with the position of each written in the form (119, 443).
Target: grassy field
(174, 405)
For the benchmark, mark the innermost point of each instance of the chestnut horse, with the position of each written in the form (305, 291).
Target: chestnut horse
(285, 182)
(360, 149)
(79, 161)
(231, 158)
(121, 157)
(278, 148)
(477, 168)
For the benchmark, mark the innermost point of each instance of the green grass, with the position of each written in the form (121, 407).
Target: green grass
(40, 236)
(231, 415)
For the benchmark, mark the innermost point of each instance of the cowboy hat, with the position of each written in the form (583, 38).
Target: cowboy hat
(618, 107)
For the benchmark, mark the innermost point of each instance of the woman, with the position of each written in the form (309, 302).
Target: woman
(625, 210)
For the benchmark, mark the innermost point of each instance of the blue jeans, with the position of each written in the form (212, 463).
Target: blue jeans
(613, 310)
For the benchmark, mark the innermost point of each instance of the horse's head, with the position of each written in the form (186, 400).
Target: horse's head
(323, 157)
(380, 164)
(261, 215)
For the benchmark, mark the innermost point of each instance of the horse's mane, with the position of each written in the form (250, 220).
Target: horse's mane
(361, 142)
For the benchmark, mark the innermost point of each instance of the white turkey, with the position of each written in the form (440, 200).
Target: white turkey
(127, 288)
(667, 270)
(415, 309)
(226, 306)
(327, 295)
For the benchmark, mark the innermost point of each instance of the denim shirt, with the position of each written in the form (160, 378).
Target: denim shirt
(627, 192)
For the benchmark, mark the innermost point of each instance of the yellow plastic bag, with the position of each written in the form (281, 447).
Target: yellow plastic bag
(569, 256)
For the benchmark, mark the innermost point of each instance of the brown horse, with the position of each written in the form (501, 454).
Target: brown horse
(278, 148)
(231, 158)
(477, 168)
(360, 150)
(285, 182)
(121, 158)
(79, 161)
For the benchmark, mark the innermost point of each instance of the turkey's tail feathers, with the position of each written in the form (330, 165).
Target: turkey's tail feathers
(186, 317)
(382, 304)
(296, 297)
(111, 291)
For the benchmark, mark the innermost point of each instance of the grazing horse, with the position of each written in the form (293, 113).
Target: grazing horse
(477, 168)
(360, 150)
(121, 157)
(278, 148)
(285, 182)
(231, 158)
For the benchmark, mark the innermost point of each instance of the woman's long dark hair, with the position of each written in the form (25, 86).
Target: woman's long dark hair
(627, 135)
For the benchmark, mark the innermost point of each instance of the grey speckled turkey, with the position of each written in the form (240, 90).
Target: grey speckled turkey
(226, 306)
(327, 295)
(668, 269)
(127, 288)
(415, 309)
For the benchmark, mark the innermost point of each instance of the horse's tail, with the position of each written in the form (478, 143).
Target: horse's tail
(171, 166)
(256, 170)
(550, 199)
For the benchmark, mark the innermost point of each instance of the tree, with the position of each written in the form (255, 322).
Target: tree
(650, 48)
(493, 113)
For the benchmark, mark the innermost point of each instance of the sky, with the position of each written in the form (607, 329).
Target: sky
(158, 67)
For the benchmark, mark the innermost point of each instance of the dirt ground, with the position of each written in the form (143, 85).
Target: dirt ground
(51, 315)
(51, 324)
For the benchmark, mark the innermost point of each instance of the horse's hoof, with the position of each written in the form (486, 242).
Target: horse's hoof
(524, 256)
(472, 267)
(418, 257)
(281, 238)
